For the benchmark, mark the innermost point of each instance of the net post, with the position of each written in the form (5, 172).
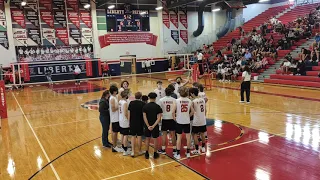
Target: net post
(3, 102)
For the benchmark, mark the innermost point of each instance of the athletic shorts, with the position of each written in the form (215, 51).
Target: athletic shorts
(154, 133)
(136, 131)
(115, 127)
(125, 131)
(182, 128)
(168, 125)
(191, 118)
(199, 129)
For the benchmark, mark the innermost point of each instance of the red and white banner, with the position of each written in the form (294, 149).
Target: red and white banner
(74, 18)
(73, 4)
(3, 22)
(89, 68)
(25, 72)
(85, 17)
(49, 34)
(18, 17)
(46, 4)
(62, 34)
(3, 103)
(184, 35)
(166, 19)
(183, 19)
(174, 19)
(47, 17)
(99, 67)
(120, 38)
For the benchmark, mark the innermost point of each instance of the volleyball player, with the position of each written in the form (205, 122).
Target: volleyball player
(152, 116)
(179, 82)
(123, 121)
(167, 104)
(184, 111)
(105, 69)
(202, 94)
(124, 86)
(159, 91)
(135, 115)
(114, 117)
(199, 120)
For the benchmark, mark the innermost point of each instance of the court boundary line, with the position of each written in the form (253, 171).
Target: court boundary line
(36, 137)
(216, 150)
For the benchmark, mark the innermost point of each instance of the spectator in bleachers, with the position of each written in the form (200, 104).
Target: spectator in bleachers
(247, 55)
(286, 66)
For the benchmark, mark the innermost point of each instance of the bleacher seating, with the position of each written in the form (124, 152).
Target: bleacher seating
(248, 26)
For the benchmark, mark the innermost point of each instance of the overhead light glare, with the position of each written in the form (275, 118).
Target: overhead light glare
(111, 6)
(216, 9)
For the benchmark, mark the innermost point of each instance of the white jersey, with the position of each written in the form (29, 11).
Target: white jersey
(183, 110)
(114, 116)
(160, 94)
(123, 121)
(176, 89)
(166, 103)
(199, 118)
(202, 95)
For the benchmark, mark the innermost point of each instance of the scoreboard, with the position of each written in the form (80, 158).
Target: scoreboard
(124, 21)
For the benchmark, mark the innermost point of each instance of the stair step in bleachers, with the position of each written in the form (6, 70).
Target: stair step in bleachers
(295, 78)
(293, 82)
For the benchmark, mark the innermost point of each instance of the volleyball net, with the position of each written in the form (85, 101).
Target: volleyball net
(42, 72)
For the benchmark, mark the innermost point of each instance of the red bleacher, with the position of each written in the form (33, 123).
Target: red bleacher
(296, 12)
(248, 26)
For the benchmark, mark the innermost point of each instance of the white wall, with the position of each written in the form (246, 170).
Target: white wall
(207, 36)
(253, 10)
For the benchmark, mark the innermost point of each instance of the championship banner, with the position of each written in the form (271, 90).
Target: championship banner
(86, 33)
(50, 35)
(75, 34)
(32, 4)
(47, 4)
(175, 35)
(32, 17)
(25, 72)
(47, 17)
(35, 36)
(174, 19)
(62, 34)
(59, 4)
(20, 35)
(3, 22)
(73, 4)
(184, 35)
(166, 19)
(4, 39)
(18, 17)
(74, 18)
(85, 17)
(3, 102)
(16, 3)
(121, 38)
(89, 68)
(183, 17)
(60, 17)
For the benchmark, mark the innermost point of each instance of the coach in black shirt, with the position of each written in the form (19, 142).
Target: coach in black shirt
(105, 117)
(152, 116)
(136, 121)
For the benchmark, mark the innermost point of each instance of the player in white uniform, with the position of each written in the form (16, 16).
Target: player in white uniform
(114, 117)
(159, 91)
(124, 122)
(199, 120)
(184, 111)
(177, 83)
(168, 105)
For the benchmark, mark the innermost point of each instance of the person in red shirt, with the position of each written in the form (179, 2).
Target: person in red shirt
(105, 69)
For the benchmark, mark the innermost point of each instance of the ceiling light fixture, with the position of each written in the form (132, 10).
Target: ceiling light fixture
(216, 9)
(159, 8)
(111, 6)
(86, 6)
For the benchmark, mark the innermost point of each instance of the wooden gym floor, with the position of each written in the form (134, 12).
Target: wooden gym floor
(55, 134)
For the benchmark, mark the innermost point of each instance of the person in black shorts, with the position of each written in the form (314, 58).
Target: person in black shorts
(105, 118)
(152, 116)
(136, 121)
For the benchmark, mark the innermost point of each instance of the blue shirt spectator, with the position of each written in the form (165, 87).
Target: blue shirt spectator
(317, 38)
(247, 55)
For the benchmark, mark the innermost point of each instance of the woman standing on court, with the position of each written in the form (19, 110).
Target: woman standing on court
(246, 84)
(105, 118)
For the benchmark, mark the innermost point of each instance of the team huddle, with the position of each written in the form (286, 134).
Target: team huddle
(175, 110)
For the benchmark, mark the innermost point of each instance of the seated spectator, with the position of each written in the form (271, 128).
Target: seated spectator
(285, 67)
(247, 55)
(301, 68)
